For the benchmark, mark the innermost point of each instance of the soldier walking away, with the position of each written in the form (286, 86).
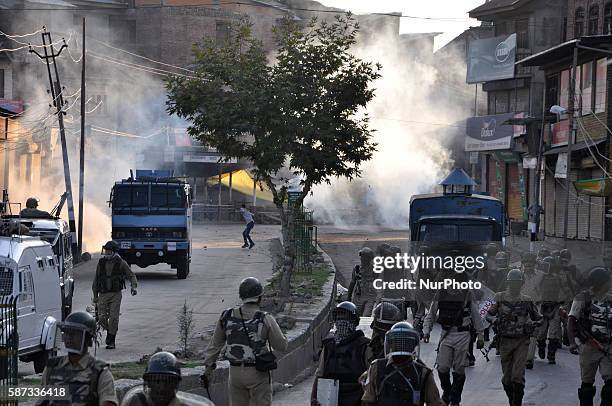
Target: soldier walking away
(89, 380)
(516, 317)
(161, 381)
(361, 289)
(344, 356)
(590, 319)
(530, 288)
(385, 314)
(245, 331)
(457, 312)
(250, 223)
(31, 210)
(550, 287)
(400, 379)
(111, 273)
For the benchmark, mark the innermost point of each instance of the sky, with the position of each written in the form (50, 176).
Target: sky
(452, 14)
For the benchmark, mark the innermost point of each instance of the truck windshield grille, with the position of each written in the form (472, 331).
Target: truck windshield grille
(456, 232)
(6, 281)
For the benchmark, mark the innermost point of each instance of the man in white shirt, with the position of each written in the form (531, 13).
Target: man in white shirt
(250, 223)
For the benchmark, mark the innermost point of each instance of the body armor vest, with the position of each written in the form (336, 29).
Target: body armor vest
(82, 385)
(550, 286)
(597, 318)
(345, 362)
(452, 312)
(116, 280)
(513, 318)
(238, 349)
(400, 386)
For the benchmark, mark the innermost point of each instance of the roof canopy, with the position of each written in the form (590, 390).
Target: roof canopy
(565, 50)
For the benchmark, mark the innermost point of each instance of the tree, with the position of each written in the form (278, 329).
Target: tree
(300, 112)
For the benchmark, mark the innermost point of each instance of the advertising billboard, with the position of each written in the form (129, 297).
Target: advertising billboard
(487, 133)
(491, 59)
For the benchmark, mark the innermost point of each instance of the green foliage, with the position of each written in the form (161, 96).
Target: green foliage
(185, 325)
(301, 112)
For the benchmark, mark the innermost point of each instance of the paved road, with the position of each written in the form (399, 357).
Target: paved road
(546, 384)
(148, 320)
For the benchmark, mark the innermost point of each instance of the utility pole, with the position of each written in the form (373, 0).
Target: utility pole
(58, 102)
(82, 150)
(570, 142)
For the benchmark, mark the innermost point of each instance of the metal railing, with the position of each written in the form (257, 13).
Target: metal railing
(9, 344)
(305, 235)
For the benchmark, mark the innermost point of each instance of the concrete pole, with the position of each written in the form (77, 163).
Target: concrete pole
(6, 154)
(230, 186)
(82, 154)
(570, 141)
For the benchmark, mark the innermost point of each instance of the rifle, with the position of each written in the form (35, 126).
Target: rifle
(588, 338)
(355, 285)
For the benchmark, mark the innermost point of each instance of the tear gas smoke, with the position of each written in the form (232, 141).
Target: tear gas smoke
(413, 153)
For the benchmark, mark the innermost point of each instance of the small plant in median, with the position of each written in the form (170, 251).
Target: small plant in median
(185, 326)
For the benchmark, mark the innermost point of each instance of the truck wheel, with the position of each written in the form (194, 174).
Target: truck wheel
(40, 360)
(182, 268)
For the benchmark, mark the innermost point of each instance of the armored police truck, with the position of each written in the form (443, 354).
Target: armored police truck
(151, 220)
(30, 277)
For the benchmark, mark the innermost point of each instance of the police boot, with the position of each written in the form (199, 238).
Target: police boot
(445, 383)
(606, 394)
(529, 364)
(542, 349)
(509, 393)
(552, 349)
(586, 393)
(517, 394)
(110, 341)
(456, 389)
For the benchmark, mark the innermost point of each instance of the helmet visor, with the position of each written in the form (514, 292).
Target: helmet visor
(74, 339)
(161, 388)
(401, 342)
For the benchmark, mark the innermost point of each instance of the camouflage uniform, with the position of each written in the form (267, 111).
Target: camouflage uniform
(90, 381)
(550, 329)
(364, 295)
(246, 384)
(107, 286)
(531, 288)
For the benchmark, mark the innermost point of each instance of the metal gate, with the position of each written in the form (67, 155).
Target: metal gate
(9, 344)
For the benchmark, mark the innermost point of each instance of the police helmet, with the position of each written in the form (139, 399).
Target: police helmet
(598, 276)
(366, 252)
(385, 315)
(161, 378)
(32, 203)
(162, 363)
(565, 255)
(543, 253)
(78, 332)
(514, 274)
(111, 246)
(501, 259)
(384, 250)
(345, 311)
(402, 339)
(529, 258)
(250, 290)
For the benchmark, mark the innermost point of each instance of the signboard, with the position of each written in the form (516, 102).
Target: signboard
(207, 159)
(491, 59)
(560, 133)
(487, 133)
(530, 162)
(561, 168)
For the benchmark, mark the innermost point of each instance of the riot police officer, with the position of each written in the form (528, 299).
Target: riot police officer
(109, 281)
(161, 381)
(516, 316)
(531, 288)
(400, 379)
(89, 380)
(498, 276)
(591, 317)
(385, 315)
(457, 312)
(344, 356)
(244, 331)
(361, 289)
(543, 252)
(550, 287)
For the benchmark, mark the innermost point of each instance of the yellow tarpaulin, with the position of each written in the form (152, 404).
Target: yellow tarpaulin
(595, 187)
(242, 181)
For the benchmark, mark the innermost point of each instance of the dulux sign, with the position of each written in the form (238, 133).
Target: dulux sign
(487, 133)
(491, 59)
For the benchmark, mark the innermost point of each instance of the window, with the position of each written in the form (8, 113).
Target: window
(130, 196)
(170, 197)
(593, 20)
(586, 96)
(26, 286)
(607, 27)
(552, 91)
(222, 32)
(579, 23)
(601, 85)
(499, 102)
(522, 34)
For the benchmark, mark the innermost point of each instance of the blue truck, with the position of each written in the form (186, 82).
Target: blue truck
(151, 220)
(457, 215)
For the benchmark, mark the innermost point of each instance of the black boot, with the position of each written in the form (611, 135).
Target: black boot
(552, 349)
(542, 349)
(517, 394)
(445, 383)
(456, 389)
(110, 341)
(508, 390)
(606, 394)
(529, 364)
(586, 393)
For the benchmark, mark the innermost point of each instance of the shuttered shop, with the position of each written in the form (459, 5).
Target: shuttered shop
(560, 199)
(572, 214)
(596, 212)
(549, 204)
(515, 208)
(495, 177)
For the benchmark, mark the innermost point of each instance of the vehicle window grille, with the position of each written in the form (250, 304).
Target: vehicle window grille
(6, 281)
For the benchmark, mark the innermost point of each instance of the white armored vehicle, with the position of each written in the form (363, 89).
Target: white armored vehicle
(30, 275)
